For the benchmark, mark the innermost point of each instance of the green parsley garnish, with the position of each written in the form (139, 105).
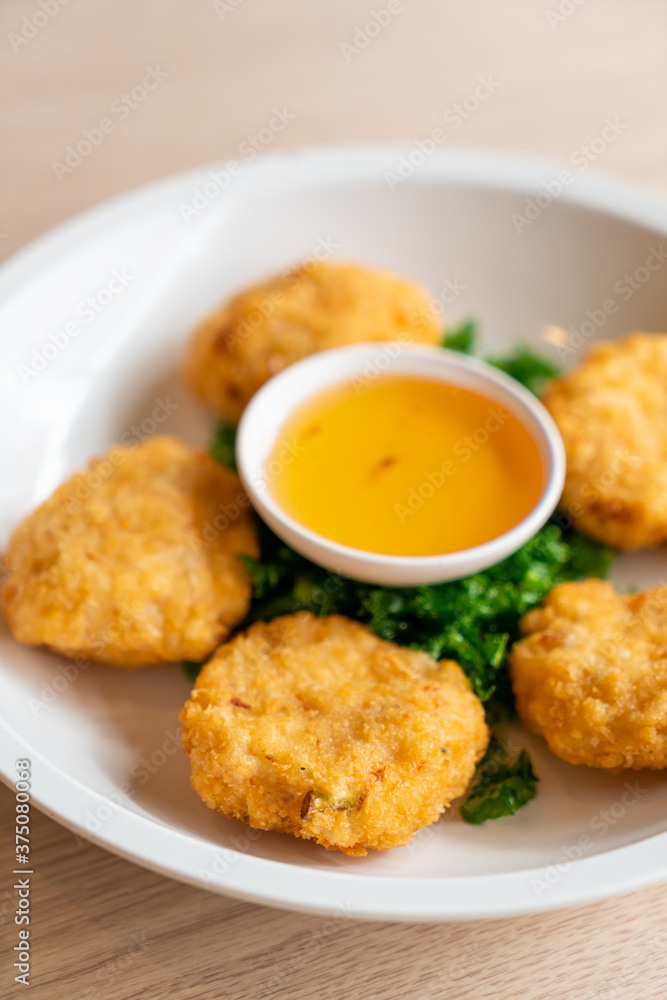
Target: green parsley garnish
(526, 367)
(223, 445)
(523, 364)
(474, 620)
(191, 669)
(500, 786)
(462, 338)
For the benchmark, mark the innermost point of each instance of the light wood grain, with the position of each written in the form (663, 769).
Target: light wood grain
(104, 928)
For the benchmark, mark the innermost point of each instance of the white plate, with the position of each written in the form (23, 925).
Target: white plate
(104, 749)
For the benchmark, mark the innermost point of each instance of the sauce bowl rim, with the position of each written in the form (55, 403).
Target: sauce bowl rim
(291, 388)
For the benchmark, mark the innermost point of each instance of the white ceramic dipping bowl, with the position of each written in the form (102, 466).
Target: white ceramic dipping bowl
(277, 400)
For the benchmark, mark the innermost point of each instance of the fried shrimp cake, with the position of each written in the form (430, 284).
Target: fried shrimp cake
(297, 313)
(315, 727)
(123, 564)
(612, 414)
(591, 675)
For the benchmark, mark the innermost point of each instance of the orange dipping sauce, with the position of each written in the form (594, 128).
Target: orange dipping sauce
(405, 466)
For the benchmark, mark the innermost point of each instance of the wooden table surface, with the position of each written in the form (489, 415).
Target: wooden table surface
(103, 928)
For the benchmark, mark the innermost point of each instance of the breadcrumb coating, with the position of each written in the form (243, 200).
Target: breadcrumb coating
(591, 675)
(612, 414)
(311, 308)
(134, 561)
(315, 727)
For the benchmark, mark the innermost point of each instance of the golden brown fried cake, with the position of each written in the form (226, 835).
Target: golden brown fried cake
(315, 727)
(612, 413)
(133, 562)
(311, 308)
(591, 675)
